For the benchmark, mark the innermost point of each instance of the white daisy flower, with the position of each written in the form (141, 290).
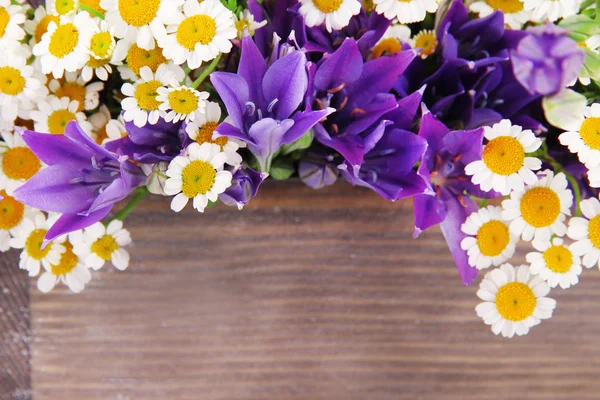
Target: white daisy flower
(514, 300)
(551, 10)
(426, 41)
(199, 175)
(586, 232)
(515, 16)
(133, 58)
(594, 176)
(555, 263)
(489, 241)
(76, 88)
(12, 215)
(105, 128)
(336, 14)
(37, 26)
(17, 162)
(504, 165)
(540, 209)
(141, 104)
(12, 17)
(101, 49)
(246, 22)
(97, 244)
(54, 114)
(391, 41)
(202, 130)
(142, 20)
(62, 7)
(199, 34)
(30, 238)
(583, 139)
(180, 102)
(64, 45)
(70, 270)
(406, 11)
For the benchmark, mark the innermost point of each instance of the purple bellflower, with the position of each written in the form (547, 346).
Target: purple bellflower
(83, 180)
(244, 186)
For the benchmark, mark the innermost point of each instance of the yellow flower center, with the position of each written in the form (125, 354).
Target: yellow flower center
(94, 5)
(74, 91)
(205, 134)
(96, 63)
(540, 207)
(101, 45)
(197, 178)
(183, 101)
(327, 6)
(427, 42)
(145, 94)
(492, 238)
(594, 231)
(104, 247)
(11, 211)
(590, 132)
(558, 259)
(504, 155)
(101, 135)
(515, 301)
(506, 6)
(33, 244)
(68, 261)
(4, 20)
(11, 81)
(138, 58)
(63, 40)
(20, 163)
(58, 120)
(42, 26)
(138, 12)
(196, 29)
(368, 5)
(65, 7)
(386, 47)
(241, 25)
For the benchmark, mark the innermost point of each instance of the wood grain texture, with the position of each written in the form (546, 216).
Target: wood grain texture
(303, 295)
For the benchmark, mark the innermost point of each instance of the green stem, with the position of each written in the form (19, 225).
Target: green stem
(91, 11)
(206, 72)
(586, 4)
(140, 193)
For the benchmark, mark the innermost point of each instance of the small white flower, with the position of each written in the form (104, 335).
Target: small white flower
(246, 22)
(133, 58)
(70, 270)
(198, 176)
(391, 41)
(426, 41)
(336, 14)
(584, 140)
(181, 102)
(54, 114)
(96, 245)
(514, 300)
(62, 7)
(406, 11)
(101, 49)
(551, 10)
(105, 128)
(17, 162)
(76, 88)
(555, 263)
(12, 17)
(515, 16)
(37, 26)
(13, 214)
(504, 165)
(586, 232)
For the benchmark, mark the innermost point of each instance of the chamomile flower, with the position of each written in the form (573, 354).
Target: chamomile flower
(514, 300)
(180, 102)
(199, 34)
(336, 14)
(37, 26)
(555, 263)
(17, 162)
(70, 270)
(584, 140)
(134, 58)
(540, 209)
(246, 22)
(30, 238)
(101, 50)
(199, 176)
(142, 20)
(105, 128)
(141, 104)
(426, 41)
(202, 130)
(504, 165)
(12, 17)
(53, 114)
(97, 244)
(407, 11)
(515, 15)
(586, 232)
(74, 87)
(12, 215)
(64, 45)
(489, 241)
(391, 41)
(551, 10)
(62, 7)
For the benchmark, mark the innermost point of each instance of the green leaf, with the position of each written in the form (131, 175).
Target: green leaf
(282, 168)
(564, 110)
(581, 25)
(303, 143)
(591, 65)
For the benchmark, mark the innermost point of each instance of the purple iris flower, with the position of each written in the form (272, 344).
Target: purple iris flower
(546, 60)
(318, 168)
(447, 202)
(83, 180)
(262, 100)
(244, 186)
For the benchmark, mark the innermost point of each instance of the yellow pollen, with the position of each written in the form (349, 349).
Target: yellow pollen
(145, 94)
(104, 247)
(241, 25)
(183, 101)
(94, 5)
(221, 141)
(68, 261)
(196, 29)
(20, 163)
(42, 26)
(515, 301)
(101, 45)
(64, 7)
(427, 42)
(74, 91)
(540, 207)
(33, 244)
(506, 6)
(11, 81)
(386, 47)
(368, 5)
(504, 155)
(96, 63)
(590, 132)
(327, 6)
(4, 20)
(594, 231)
(63, 40)
(58, 120)
(558, 259)
(101, 135)
(138, 58)
(197, 178)
(492, 238)
(205, 135)
(11, 211)
(138, 12)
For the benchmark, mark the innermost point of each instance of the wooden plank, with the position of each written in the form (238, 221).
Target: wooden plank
(304, 295)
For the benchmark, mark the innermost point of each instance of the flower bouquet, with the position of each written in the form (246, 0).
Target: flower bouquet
(453, 104)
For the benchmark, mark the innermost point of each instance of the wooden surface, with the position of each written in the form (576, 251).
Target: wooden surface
(303, 295)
